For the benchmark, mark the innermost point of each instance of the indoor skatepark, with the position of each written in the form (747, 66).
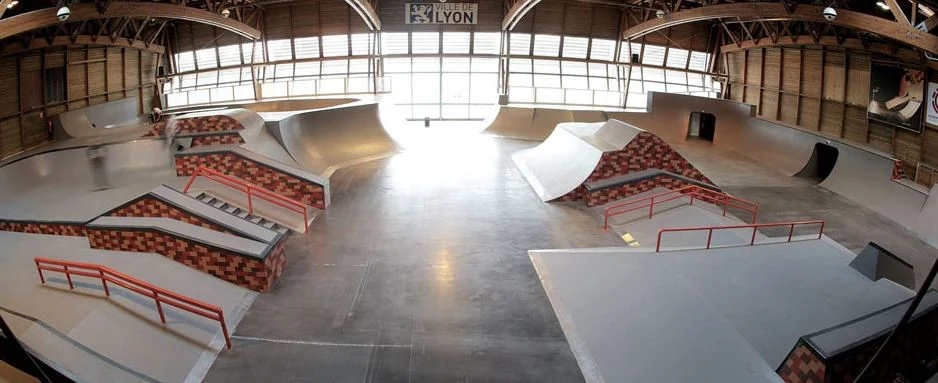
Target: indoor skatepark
(314, 190)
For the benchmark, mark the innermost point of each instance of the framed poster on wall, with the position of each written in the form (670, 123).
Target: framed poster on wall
(931, 104)
(897, 95)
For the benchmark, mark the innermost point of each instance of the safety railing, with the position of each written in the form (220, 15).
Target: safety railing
(693, 192)
(252, 191)
(159, 295)
(754, 227)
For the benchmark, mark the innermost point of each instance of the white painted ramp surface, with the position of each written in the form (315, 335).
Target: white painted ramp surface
(118, 118)
(559, 164)
(722, 315)
(324, 140)
(536, 124)
(124, 330)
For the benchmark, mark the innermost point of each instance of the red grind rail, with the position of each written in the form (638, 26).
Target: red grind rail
(710, 229)
(158, 294)
(251, 190)
(693, 191)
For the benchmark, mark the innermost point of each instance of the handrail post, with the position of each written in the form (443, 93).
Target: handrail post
(709, 237)
(606, 221)
(755, 214)
(651, 207)
(195, 174)
(42, 278)
(104, 283)
(658, 244)
(159, 307)
(250, 201)
(69, 277)
(224, 328)
(692, 194)
(791, 231)
(753, 240)
(305, 221)
(821, 232)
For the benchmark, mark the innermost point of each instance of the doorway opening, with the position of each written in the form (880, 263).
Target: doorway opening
(702, 126)
(821, 163)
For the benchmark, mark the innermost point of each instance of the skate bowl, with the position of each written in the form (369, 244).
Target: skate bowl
(576, 154)
(536, 124)
(325, 140)
(114, 118)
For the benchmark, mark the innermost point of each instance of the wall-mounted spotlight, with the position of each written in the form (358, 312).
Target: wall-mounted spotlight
(225, 13)
(882, 5)
(63, 13)
(660, 13)
(830, 14)
(13, 4)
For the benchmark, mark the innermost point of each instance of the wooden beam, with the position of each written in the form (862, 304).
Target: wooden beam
(929, 24)
(516, 12)
(86, 11)
(897, 12)
(831, 41)
(775, 11)
(367, 13)
(3, 6)
(79, 40)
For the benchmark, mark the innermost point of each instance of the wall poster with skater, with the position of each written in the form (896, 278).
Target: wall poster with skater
(897, 94)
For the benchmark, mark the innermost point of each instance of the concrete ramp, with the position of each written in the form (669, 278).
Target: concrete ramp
(577, 153)
(536, 124)
(325, 140)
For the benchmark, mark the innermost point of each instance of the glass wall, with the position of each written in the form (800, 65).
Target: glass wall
(441, 75)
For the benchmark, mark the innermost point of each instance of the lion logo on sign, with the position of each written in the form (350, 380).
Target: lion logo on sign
(420, 13)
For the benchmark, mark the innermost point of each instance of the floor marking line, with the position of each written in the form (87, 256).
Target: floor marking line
(315, 343)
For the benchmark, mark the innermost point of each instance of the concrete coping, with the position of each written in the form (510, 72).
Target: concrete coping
(237, 150)
(247, 247)
(845, 336)
(633, 177)
(199, 208)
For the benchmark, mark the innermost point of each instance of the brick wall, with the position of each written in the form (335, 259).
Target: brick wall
(248, 272)
(148, 206)
(802, 366)
(282, 183)
(73, 229)
(217, 139)
(645, 151)
(199, 125)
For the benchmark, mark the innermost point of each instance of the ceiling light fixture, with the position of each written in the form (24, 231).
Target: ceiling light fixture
(882, 5)
(13, 4)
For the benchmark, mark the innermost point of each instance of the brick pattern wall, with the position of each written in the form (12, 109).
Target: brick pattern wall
(255, 274)
(802, 366)
(157, 129)
(645, 151)
(217, 139)
(604, 196)
(287, 185)
(148, 206)
(208, 124)
(52, 228)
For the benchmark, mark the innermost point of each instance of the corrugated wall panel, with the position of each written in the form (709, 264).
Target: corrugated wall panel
(858, 80)
(811, 75)
(788, 108)
(832, 113)
(855, 124)
(791, 65)
(809, 113)
(833, 76)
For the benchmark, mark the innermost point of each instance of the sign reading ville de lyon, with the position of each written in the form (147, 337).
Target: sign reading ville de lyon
(441, 13)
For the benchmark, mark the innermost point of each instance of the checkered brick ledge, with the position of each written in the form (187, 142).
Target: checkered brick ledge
(149, 206)
(72, 229)
(278, 181)
(203, 124)
(913, 355)
(229, 138)
(645, 151)
(258, 274)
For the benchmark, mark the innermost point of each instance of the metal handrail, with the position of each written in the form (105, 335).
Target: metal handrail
(159, 295)
(251, 190)
(692, 191)
(755, 226)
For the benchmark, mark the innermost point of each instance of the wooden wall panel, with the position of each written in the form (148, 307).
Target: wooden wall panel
(335, 17)
(115, 69)
(736, 92)
(548, 18)
(833, 76)
(34, 129)
(773, 61)
(791, 81)
(11, 139)
(832, 113)
(277, 23)
(907, 146)
(605, 22)
(577, 21)
(9, 92)
(754, 63)
(788, 108)
(131, 68)
(306, 20)
(858, 80)
(769, 107)
(811, 75)
(752, 95)
(808, 115)
(881, 136)
(855, 124)
(736, 63)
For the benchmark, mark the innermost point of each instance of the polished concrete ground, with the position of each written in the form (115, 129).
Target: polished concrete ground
(418, 272)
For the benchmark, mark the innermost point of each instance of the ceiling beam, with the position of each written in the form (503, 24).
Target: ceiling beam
(517, 12)
(367, 13)
(897, 12)
(929, 24)
(902, 54)
(3, 6)
(776, 12)
(85, 11)
(62, 41)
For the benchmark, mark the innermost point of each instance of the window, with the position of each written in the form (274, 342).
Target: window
(654, 55)
(456, 42)
(520, 44)
(699, 61)
(677, 58)
(279, 50)
(603, 50)
(185, 61)
(425, 42)
(229, 55)
(361, 44)
(306, 47)
(335, 46)
(252, 49)
(486, 43)
(394, 43)
(575, 47)
(547, 45)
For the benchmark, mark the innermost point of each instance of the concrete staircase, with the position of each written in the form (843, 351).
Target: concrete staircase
(241, 213)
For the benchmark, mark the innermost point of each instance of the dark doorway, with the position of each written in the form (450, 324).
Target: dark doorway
(702, 125)
(826, 159)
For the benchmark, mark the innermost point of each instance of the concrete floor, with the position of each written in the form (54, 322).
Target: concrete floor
(418, 271)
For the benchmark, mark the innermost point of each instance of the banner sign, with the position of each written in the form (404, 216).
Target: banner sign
(897, 95)
(441, 13)
(932, 101)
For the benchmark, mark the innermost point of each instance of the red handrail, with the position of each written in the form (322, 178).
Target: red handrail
(251, 190)
(158, 294)
(692, 191)
(710, 229)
